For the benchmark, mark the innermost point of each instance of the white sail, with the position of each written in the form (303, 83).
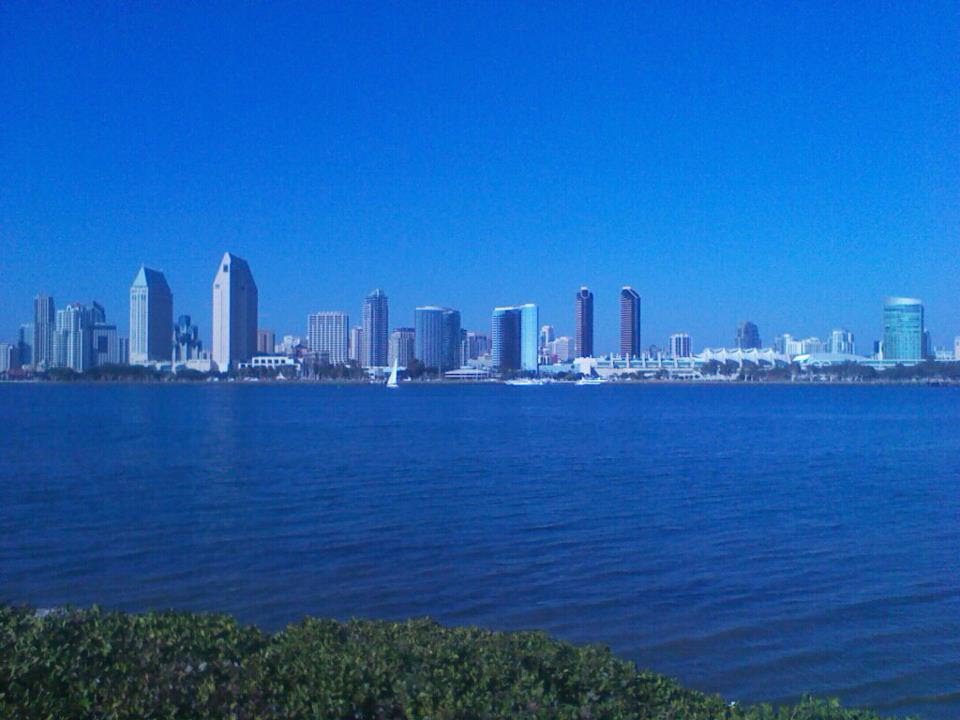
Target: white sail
(392, 381)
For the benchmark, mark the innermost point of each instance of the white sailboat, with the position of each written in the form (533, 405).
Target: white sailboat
(392, 380)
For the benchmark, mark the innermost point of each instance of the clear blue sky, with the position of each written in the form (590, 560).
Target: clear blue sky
(786, 163)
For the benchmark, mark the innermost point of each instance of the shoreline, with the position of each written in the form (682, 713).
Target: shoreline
(463, 383)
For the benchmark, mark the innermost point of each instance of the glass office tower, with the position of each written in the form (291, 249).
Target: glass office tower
(529, 337)
(902, 329)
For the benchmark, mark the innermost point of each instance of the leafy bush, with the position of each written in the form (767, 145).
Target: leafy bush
(94, 664)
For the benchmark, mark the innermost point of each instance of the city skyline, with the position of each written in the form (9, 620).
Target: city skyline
(836, 339)
(789, 165)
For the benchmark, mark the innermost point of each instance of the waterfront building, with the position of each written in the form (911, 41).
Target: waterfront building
(529, 339)
(328, 335)
(266, 342)
(956, 348)
(451, 340)
(402, 346)
(476, 345)
(841, 341)
(515, 338)
(8, 357)
(186, 340)
(235, 308)
(505, 338)
(629, 322)
(583, 319)
(272, 361)
(289, 345)
(105, 344)
(928, 349)
(124, 346)
(355, 351)
(437, 337)
(376, 324)
(748, 336)
(25, 345)
(151, 317)
(73, 338)
(547, 335)
(428, 335)
(44, 326)
(563, 349)
(680, 345)
(902, 329)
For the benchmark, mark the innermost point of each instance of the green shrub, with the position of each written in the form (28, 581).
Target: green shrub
(95, 664)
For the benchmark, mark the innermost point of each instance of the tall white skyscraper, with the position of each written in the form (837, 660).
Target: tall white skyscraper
(151, 318)
(235, 304)
(72, 341)
(328, 333)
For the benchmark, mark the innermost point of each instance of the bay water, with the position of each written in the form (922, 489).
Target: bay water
(757, 541)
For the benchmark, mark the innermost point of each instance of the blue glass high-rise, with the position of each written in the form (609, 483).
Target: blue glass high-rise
(505, 338)
(529, 337)
(903, 329)
(437, 337)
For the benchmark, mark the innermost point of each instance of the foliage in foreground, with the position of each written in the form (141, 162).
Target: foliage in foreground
(94, 664)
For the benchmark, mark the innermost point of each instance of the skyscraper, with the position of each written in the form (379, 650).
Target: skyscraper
(328, 335)
(437, 336)
(73, 338)
(105, 345)
(629, 322)
(186, 340)
(547, 335)
(902, 329)
(44, 324)
(450, 340)
(376, 323)
(477, 344)
(529, 337)
(8, 357)
(355, 351)
(564, 348)
(25, 345)
(151, 318)
(841, 341)
(428, 335)
(584, 322)
(680, 345)
(402, 346)
(266, 341)
(235, 307)
(748, 336)
(505, 338)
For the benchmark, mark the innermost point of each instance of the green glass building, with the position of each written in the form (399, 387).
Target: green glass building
(902, 329)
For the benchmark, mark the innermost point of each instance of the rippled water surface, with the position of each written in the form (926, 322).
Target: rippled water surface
(760, 542)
